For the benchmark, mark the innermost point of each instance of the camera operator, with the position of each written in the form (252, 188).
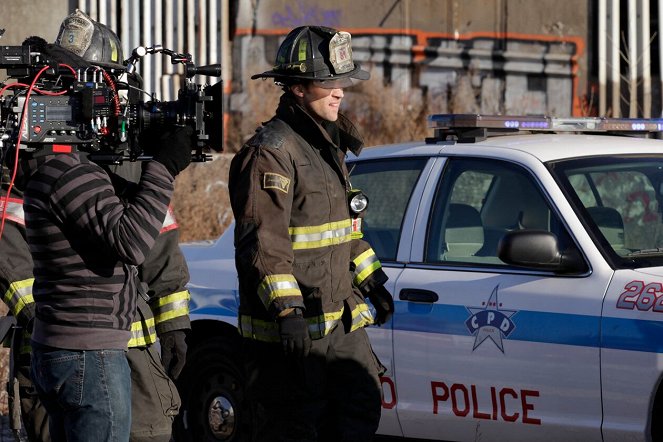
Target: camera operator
(88, 229)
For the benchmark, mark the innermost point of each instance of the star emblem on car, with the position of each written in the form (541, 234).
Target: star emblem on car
(490, 321)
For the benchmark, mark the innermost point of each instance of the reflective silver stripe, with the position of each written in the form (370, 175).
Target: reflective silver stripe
(365, 264)
(258, 329)
(169, 223)
(277, 286)
(311, 237)
(268, 331)
(139, 337)
(321, 326)
(171, 306)
(18, 295)
(14, 210)
(361, 317)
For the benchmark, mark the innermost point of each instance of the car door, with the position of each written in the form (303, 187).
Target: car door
(393, 186)
(485, 350)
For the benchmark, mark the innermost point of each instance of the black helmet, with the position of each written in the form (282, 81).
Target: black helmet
(91, 40)
(315, 53)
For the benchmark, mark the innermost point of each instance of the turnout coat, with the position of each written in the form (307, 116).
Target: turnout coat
(295, 243)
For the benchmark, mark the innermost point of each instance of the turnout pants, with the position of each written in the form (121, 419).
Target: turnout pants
(154, 398)
(332, 395)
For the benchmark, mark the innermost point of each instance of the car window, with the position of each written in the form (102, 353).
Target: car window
(388, 185)
(620, 200)
(476, 203)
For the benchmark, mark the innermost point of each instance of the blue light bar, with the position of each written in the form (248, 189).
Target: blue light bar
(528, 123)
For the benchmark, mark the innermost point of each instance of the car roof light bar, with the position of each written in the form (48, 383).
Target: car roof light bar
(475, 127)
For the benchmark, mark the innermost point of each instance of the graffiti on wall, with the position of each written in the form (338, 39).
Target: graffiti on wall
(302, 13)
(515, 73)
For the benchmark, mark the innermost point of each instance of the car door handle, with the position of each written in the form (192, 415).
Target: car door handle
(418, 295)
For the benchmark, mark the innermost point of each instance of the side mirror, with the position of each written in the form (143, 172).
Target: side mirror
(538, 249)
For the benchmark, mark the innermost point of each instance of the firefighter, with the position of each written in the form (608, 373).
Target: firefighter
(162, 304)
(303, 268)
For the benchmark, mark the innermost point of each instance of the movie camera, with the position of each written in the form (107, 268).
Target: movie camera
(53, 106)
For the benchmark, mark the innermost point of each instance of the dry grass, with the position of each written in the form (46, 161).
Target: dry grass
(382, 114)
(385, 115)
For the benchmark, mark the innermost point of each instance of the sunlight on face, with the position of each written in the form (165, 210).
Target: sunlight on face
(322, 104)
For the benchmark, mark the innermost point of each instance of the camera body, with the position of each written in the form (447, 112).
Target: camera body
(54, 104)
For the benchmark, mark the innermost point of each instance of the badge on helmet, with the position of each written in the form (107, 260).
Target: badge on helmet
(91, 40)
(316, 53)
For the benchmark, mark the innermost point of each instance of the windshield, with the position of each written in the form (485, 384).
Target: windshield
(619, 199)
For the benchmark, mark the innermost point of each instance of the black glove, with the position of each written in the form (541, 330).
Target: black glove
(173, 149)
(383, 303)
(294, 334)
(173, 352)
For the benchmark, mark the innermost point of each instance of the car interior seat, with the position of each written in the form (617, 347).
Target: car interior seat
(463, 232)
(611, 225)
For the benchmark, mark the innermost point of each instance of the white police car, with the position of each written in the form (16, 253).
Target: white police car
(527, 272)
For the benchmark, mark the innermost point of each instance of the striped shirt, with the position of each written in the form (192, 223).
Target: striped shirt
(86, 244)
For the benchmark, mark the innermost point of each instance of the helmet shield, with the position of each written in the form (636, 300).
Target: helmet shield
(90, 40)
(316, 53)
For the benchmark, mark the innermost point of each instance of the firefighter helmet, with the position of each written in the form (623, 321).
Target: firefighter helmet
(315, 53)
(91, 40)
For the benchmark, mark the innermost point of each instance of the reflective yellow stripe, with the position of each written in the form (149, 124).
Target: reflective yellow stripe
(176, 313)
(142, 333)
(361, 317)
(26, 347)
(18, 295)
(171, 306)
(321, 326)
(311, 237)
(365, 265)
(278, 286)
(268, 331)
(258, 329)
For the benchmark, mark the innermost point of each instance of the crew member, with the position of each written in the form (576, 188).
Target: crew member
(303, 271)
(163, 273)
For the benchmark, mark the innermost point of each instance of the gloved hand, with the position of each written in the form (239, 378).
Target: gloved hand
(294, 334)
(173, 149)
(173, 352)
(383, 303)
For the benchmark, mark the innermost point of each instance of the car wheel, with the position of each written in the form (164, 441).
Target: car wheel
(212, 391)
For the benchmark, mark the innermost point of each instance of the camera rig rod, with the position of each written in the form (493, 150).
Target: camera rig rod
(190, 69)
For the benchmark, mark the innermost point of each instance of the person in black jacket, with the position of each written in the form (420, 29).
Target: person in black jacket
(304, 269)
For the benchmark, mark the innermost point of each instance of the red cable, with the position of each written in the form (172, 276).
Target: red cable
(18, 144)
(32, 87)
(116, 98)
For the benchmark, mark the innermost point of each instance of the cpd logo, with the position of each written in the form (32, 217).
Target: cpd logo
(491, 322)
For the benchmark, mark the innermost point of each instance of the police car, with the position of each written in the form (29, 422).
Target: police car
(525, 257)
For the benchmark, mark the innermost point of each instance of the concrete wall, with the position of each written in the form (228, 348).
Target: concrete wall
(513, 56)
(24, 18)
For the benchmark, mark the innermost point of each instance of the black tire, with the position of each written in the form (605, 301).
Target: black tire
(212, 390)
